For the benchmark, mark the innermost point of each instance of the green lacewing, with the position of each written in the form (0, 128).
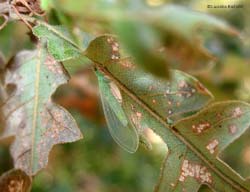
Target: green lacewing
(124, 133)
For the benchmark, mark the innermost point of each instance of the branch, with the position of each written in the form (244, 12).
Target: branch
(6, 10)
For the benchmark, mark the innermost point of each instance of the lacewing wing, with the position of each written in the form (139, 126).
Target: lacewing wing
(120, 129)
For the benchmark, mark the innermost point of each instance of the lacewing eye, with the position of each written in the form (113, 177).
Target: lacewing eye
(119, 127)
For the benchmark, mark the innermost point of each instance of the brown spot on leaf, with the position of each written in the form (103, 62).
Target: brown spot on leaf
(169, 103)
(115, 55)
(139, 114)
(211, 147)
(201, 89)
(151, 87)
(167, 92)
(53, 65)
(219, 116)
(201, 127)
(232, 129)
(197, 171)
(237, 112)
(185, 90)
(182, 84)
(127, 63)
(170, 112)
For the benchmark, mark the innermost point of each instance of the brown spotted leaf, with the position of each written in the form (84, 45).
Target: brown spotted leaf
(104, 50)
(172, 99)
(36, 122)
(184, 169)
(15, 181)
(150, 102)
(209, 132)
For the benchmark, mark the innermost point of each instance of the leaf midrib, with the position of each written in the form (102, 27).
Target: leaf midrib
(60, 35)
(175, 132)
(35, 109)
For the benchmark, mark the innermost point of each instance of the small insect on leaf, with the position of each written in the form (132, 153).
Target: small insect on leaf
(120, 129)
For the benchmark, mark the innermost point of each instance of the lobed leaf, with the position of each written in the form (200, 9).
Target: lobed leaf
(149, 102)
(30, 115)
(15, 181)
(210, 131)
(170, 98)
(184, 169)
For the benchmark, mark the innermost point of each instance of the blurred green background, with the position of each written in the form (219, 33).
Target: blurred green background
(97, 163)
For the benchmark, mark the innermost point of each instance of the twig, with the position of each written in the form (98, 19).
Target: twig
(9, 13)
(4, 22)
(21, 17)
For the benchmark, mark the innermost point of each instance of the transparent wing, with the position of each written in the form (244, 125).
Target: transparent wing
(120, 129)
(125, 136)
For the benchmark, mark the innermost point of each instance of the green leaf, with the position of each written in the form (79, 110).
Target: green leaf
(205, 188)
(213, 129)
(36, 122)
(60, 44)
(172, 99)
(15, 181)
(122, 131)
(209, 132)
(76, 64)
(104, 50)
(158, 104)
